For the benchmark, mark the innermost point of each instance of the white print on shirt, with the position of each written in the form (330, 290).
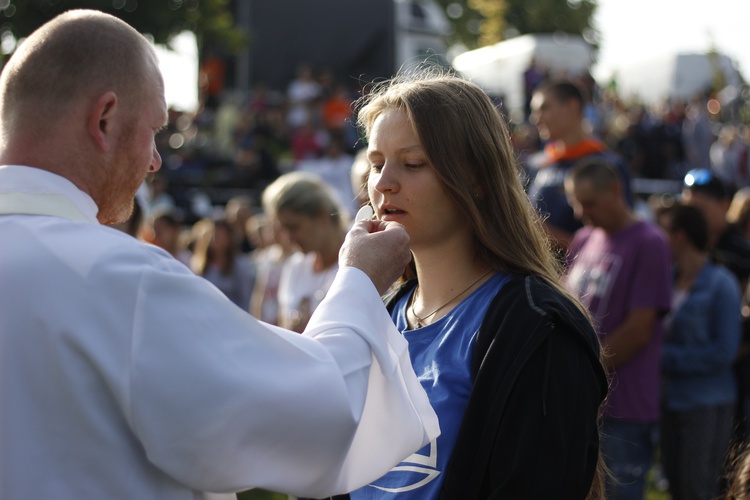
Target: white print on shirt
(592, 278)
(425, 465)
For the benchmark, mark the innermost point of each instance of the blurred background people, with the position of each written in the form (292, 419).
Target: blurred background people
(217, 258)
(358, 177)
(334, 168)
(273, 249)
(167, 233)
(619, 267)
(738, 213)
(728, 245)
(704, 189)
(557, 111)
(237, 211)
(307, 209)
(700, 345)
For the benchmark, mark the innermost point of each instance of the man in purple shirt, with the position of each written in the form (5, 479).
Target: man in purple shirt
(619, 266)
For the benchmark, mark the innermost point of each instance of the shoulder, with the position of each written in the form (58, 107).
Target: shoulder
(613, 158)
(296, 261)
(647, 232)
(111, 247)
(722, 276)
(107, 259)
(528, 302)
(526, 314)
(580, 237)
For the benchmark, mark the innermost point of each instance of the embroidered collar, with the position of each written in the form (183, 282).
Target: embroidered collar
(32, 191)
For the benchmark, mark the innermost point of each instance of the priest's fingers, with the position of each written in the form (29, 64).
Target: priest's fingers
(379, 248)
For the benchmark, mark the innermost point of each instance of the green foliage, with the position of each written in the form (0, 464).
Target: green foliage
(466, 22)
(548, 16)
(210, 20)
(483, 22)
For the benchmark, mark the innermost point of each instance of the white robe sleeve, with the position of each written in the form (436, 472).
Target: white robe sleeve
(222, 402)
(396, 408)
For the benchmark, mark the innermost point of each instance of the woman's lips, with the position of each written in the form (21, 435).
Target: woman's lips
(391, 214)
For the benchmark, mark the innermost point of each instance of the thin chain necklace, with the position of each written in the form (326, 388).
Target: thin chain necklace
(419, 323)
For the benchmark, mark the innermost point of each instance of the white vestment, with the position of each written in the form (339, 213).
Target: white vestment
(124, 375)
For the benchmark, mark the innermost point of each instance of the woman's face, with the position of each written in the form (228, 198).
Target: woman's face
(221, 240)
(304, 231)
(665, 223)
(403, 185)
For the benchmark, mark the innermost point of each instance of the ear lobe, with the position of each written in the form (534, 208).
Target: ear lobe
(99, 124)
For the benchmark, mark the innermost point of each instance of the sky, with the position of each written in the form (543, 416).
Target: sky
(633, 29)
(180, 70)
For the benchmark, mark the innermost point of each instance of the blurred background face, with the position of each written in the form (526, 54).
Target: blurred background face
(221, 240)
(280, 236)
(714, 210)
(673, 237)
(551, 116)
(304, 231)
(592, 207)
(165, 234)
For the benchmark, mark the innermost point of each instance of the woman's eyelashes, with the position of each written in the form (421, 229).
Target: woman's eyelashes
(409, 165)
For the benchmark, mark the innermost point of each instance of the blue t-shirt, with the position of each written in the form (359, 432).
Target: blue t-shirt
(441, 354)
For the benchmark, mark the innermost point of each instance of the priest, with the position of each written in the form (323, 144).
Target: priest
(124, 375)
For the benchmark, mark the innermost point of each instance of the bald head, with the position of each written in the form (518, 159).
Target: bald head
(595, 193)
(73, 58)
(599, 173)
(83, 98)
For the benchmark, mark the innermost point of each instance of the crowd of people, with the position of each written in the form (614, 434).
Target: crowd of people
(568, 332)
(643, 263)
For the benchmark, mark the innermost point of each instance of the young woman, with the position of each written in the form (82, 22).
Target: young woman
(217, 258)
(307, 210)
(509, 359)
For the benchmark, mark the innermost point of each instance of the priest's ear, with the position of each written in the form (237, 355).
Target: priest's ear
(101, 118)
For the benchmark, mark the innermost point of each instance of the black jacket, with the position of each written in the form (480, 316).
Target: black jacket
(530, 428)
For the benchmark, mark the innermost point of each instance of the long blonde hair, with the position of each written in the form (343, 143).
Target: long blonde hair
(305, 194)
(468, 143)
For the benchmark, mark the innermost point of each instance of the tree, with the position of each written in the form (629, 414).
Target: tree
(210, 20)
(548, 16)
(492, 27)
(484, 22)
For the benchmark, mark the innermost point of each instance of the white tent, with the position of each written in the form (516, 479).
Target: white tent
(499, 68)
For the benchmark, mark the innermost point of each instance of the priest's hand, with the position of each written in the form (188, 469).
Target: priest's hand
(379, 248)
